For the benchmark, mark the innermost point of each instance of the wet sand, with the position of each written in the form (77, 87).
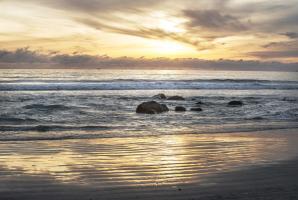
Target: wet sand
(255, 165)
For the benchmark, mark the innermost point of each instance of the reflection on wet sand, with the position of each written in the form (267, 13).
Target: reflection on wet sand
(145, 161)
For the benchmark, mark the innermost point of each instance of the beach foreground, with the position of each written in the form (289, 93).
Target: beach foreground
(253, 165)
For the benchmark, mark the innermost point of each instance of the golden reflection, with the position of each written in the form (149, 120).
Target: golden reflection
(167, 160)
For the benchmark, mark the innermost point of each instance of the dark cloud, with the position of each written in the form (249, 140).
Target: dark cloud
(290, 19)
(28, 58)
(65, 59)
(291, 44)
(271, 17)
(22, 55)
(275, 54)
(258, 7)
(213, 19)
(285, 49)
(291, 35)
(283, 22)
(271, 44)
(98, 6)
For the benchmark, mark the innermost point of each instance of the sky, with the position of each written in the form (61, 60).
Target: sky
(259, 30)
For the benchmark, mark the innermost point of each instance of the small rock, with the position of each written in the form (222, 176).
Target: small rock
(151, 107)
(257, 118)
(288, 99)
(42, 128)
(235, 103)
(176, 98)
(160, 96)
(180, 109)
(196, 109)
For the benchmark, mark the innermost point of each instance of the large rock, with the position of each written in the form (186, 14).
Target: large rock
(180, 109)
(151, 107)
(235, 103)
(160, 96)
(176, 98)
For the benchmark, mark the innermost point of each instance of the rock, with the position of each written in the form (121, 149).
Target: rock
(180, 109)
(288, 99)
(160, 96)
(176, 98)
(196, 109)
(151, 107)
(235, 103)
(257, 118)
(42, 128)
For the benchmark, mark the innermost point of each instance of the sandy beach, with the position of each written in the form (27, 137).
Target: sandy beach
(248, 165)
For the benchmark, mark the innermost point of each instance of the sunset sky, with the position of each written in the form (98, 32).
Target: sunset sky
(205, 29)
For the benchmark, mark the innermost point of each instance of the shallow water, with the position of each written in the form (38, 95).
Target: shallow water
(109, 165)
(74, 104)
(163, 160)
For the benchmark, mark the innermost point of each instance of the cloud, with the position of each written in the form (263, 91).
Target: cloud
(291, 35)
(31, 59)
(275, 54)
(213, 19)
(219, 26)
(144, 32)
(284, 45)
(284, 49)
(65, 59)
(22, 55)
(290, 19)
(105, 15)
(98, 6)
(284, 20)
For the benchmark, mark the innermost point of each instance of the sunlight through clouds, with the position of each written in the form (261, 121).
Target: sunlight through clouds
(199, 29)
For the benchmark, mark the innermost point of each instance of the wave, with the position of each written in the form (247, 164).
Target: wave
(46, 128)
(100, 135)
(123, 84)
(144, 80)
(47, 107)
(7, 119)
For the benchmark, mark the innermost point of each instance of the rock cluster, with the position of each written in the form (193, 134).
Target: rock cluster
(153, 107)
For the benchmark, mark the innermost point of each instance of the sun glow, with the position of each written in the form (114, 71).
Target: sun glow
(167, 23)
(169, 26)
(169, 47)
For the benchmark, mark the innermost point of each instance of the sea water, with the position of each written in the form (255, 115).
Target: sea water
(50, 104)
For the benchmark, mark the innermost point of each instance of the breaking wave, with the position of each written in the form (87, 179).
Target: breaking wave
(128, 84)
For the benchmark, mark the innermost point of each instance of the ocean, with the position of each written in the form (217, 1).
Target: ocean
(59, 104)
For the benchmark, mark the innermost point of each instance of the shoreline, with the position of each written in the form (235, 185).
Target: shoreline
(272, 130)
(210, 166)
